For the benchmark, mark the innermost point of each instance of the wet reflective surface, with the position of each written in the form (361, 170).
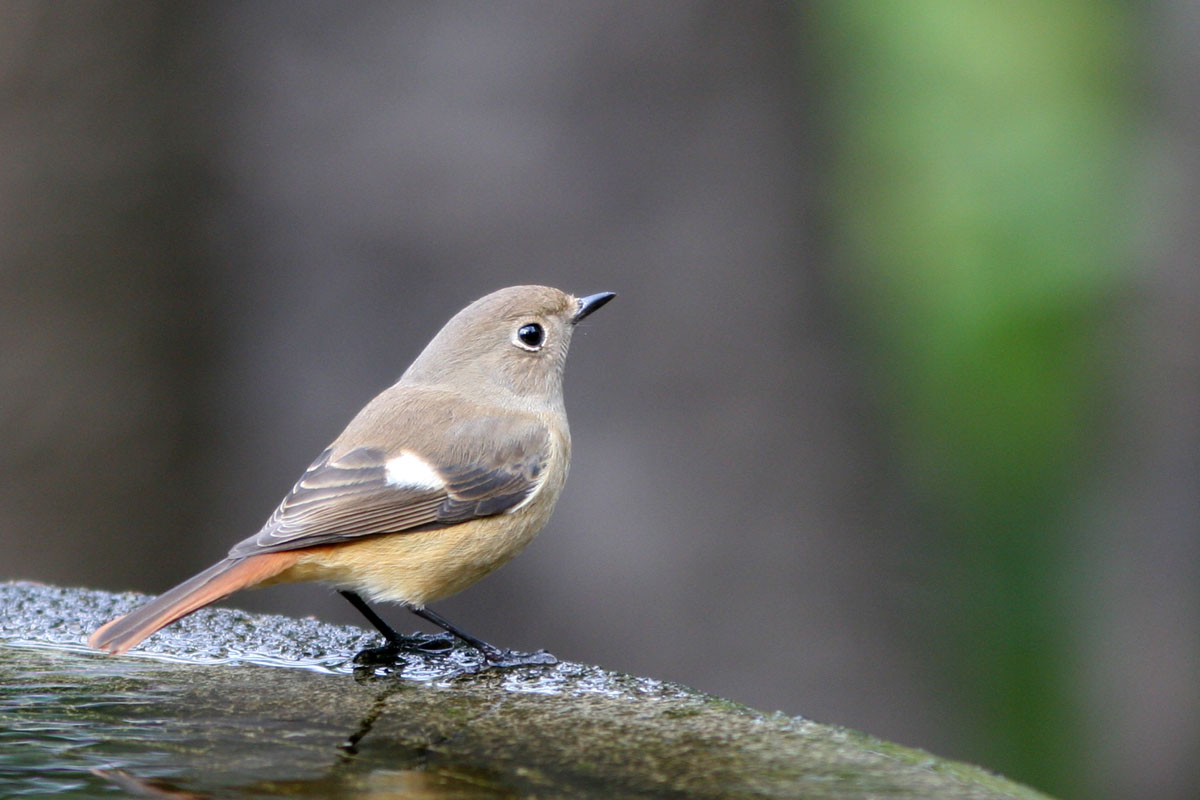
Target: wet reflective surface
(196, 711)
(229, 705)
(66, 720)
(91, 726)
(76, 725)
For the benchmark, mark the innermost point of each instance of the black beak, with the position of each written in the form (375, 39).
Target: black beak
(586, 305)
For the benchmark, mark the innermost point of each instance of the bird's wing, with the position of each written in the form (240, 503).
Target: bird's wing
(482, 467)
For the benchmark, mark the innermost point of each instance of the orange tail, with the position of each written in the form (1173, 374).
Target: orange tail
(220, 580)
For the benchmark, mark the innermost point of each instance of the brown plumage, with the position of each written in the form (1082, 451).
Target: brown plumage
(440, 479)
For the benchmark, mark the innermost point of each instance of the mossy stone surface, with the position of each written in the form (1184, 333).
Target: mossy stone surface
(221, 707)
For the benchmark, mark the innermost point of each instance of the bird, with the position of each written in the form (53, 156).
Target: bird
(440, 479)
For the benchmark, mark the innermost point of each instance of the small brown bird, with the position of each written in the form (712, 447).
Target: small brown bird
(439, 480)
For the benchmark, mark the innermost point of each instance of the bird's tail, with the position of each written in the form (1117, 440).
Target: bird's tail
(219, 580)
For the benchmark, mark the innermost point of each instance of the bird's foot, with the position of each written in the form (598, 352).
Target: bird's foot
(392, 653)
(386, 656)
(432, 643)
(494, 657)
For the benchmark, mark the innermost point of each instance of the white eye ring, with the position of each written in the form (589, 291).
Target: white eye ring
(530, 336)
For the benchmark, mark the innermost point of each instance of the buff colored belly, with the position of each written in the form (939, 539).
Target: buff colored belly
(415, 568)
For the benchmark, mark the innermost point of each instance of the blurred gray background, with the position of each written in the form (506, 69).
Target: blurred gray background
(894, 422)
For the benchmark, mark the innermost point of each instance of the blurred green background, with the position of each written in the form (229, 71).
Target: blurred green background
(982, 160)
(894, 424)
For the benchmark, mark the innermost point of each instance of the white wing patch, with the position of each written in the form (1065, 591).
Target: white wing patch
(409, 469)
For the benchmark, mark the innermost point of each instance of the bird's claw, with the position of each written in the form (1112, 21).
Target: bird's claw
(495, 657)
(391, 653)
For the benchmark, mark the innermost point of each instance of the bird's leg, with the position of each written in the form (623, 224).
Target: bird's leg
(395, 641)
(492, 654)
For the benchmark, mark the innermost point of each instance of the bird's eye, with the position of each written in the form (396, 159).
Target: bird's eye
(531, 336)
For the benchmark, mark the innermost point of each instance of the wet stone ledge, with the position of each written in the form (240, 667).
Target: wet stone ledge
(229, 704)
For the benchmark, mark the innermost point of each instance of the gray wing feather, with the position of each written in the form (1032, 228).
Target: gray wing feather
(349, 497)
